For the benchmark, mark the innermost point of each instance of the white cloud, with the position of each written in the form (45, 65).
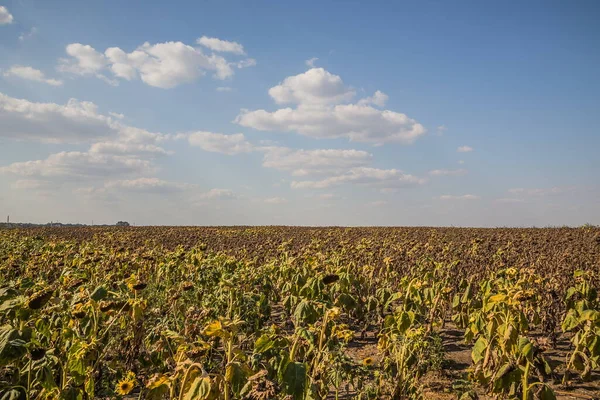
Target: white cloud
(461, 162)
(219, 194)
(120, 147)
(275, 200)
(315, 86)
(28, 35)
(299, 162)
(448, 172)
(224, 89)
(5, 16)
(304, 162)
(441, 129)
(163, 65)
(382, 178)
(221, 45)
(319, 113)
(76, 121)
(32, 74)
(85, 60)
(379, 99)
(116, 115)
(220, 143)
(311, 62)
(147, 185)
(75, 165)
(461, 197)
(464, 149)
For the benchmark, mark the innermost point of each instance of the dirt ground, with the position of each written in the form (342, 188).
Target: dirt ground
(438, 385)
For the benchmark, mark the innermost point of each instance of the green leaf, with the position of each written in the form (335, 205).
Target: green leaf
(466, 295)
(199, 389)
(12, 346)
(526, 348)
(570, 293)
(294, 380)
(99, 293)
(346, 301)
(546, 393)
(589, 315)
(12, 303)
(455, 301)
(237, 375)
(579, 361)
(306, 312)
(479, 349)
(263, 344)
(13, 393)
(404, 321)
(570, 322)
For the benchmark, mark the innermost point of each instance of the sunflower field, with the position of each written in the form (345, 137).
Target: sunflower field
(299, 313)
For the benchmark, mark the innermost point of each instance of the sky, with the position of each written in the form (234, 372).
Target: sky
(426, 113)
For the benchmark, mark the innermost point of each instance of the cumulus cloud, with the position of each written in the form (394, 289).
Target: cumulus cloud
(5, 16)
(32, 74)
(220, 143)
(221, 45)
(85, 60)
(163, 65)
(305, 162)
(77, 165)
(382, 178)
(322, 111)
(77, 121)
(379, 99)
(315, 86)
(448, 172)
(460, 197)
(117, 151)
(464, 149)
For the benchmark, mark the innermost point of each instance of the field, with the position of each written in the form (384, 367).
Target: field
(299, 313)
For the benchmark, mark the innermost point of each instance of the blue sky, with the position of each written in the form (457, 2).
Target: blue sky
(213, 112)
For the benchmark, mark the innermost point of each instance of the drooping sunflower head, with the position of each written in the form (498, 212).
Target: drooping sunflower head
(125, 386)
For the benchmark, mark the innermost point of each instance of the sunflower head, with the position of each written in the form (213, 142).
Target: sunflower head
(367, 362)
(125, 386)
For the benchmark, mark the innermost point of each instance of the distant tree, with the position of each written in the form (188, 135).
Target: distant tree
(122, 223)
